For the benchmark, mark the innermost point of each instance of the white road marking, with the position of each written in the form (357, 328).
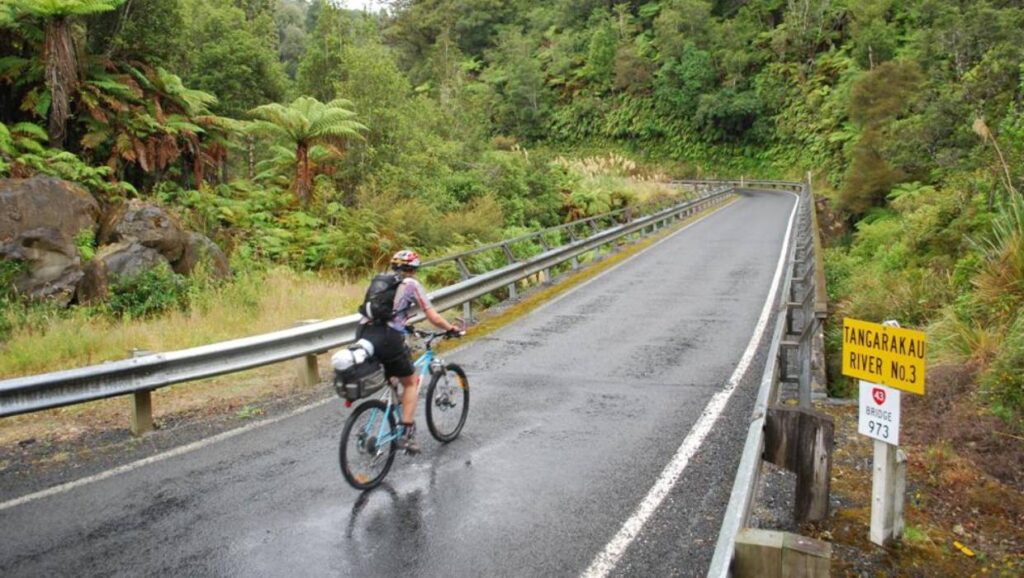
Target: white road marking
(232, 433)
(606, 561)
(157, 458)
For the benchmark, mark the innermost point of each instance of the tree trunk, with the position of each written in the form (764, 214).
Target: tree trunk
(61, 77)
(250, 143)
(303, 180)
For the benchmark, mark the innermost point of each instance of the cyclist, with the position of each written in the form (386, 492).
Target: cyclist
(388, 339)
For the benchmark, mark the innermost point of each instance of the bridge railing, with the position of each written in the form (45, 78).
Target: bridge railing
(140, 375)
(800, 312)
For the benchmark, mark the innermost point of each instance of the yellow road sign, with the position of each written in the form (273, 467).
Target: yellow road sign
(891, 356)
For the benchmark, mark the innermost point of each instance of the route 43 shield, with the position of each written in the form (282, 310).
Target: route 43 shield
(879, 412)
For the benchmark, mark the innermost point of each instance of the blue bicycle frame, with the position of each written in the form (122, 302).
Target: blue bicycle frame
(423, 364)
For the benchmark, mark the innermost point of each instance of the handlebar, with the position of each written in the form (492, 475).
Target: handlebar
(430, 336)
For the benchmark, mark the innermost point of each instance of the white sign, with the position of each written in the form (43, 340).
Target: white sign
(879, 412)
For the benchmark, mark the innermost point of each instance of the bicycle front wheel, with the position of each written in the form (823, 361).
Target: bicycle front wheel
(447, 403)
(368, 445)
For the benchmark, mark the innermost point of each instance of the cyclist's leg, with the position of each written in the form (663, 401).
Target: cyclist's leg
(398, 364)
(410, 392)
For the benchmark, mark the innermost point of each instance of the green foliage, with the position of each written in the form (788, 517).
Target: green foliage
(10, 303)
(147, 294)
(150, 31)
(64, 8)
(23, 154)
(85, 242)
(230, 58)
(516, 75)
(884, 93)
(1003, 380)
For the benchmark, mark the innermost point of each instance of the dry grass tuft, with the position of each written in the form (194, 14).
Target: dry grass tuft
(251, 304)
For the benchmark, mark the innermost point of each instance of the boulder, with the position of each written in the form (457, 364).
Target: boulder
(124, 259)
(149, 225)
(52, 265)
(199, 249)
(27, 204)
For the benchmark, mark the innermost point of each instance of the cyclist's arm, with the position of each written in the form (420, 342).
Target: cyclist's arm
(438, 321)
(424, 303)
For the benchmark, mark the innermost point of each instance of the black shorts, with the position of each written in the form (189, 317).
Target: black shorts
(389, 348)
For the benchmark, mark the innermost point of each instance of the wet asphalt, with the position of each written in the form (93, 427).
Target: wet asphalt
(575, 411)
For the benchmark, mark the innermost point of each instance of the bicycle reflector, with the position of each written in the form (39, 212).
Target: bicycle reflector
(348, 403)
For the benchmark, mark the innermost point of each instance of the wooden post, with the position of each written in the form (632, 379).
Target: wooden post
(774, 554)
(801, 440)
(814, 467)
(142, 405)
(806, 557)
(758, 554)
(307, 372)
(888, 483)
(900, 491)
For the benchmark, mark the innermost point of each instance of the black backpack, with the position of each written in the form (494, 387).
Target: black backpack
(379, 304)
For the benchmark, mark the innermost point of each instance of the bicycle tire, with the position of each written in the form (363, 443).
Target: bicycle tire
(446, 400)
(359, 480)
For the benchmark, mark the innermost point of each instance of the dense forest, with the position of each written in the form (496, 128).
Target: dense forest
(302, 133)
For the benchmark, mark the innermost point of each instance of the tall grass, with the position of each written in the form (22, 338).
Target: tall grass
(1000, 286)
(252, 303)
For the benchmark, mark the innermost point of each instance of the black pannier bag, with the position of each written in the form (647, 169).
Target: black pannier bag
(357, 373)
(360, 380)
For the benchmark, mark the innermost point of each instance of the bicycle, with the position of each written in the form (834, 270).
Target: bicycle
(373, 428)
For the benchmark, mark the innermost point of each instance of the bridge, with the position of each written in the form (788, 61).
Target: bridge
(609, 434)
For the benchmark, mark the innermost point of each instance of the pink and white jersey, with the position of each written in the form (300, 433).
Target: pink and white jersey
(410, 293)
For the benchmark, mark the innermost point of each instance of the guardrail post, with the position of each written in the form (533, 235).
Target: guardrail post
(573, 239)
(307, 371)
(545, 274)
(467, 307)
(512, 293)
(142, 404)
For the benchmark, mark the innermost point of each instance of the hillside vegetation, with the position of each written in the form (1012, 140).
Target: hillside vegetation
(305, 135)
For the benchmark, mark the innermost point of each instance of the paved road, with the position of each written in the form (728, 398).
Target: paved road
(576, 410)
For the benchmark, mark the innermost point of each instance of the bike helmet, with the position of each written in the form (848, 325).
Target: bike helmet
(405, 260)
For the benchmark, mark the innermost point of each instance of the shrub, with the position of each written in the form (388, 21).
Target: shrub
(85, 242)
(147, 294)
(9, 302)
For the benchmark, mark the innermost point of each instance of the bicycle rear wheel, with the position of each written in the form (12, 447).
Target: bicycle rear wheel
(447, 403)
(364, 460)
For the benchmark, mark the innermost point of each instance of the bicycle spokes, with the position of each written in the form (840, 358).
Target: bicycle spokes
(447, 403)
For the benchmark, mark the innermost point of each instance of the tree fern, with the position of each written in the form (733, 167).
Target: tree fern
(303, 123)
(63, 8)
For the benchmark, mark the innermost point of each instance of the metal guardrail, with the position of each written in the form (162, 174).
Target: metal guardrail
(149, 372)
(800, 311)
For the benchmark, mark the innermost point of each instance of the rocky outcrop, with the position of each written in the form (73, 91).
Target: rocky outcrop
(114, 262)
(40, 218)
(27, 204)
(52, 267)
(149, 225)
(200, 249)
